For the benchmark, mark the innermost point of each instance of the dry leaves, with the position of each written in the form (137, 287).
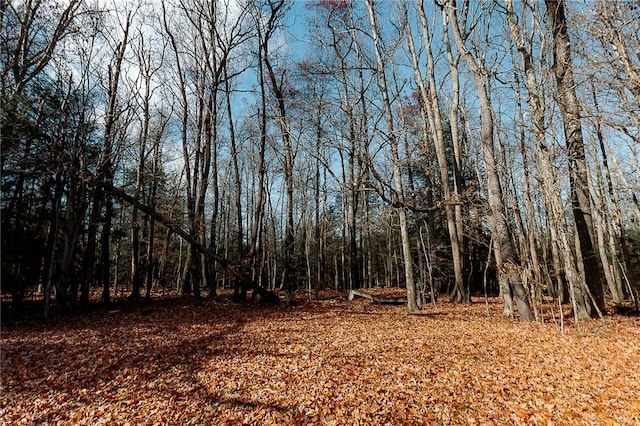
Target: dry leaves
(319, 363)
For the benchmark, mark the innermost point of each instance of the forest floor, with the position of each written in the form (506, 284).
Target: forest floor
(327, 361)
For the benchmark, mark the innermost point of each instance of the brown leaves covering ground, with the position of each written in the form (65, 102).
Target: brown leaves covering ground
(323, 362)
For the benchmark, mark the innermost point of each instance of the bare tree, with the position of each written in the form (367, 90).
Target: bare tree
(433, 122)
(31, 32)
(214, 31)
(398, 197)
(562, 249)
(579, 174)
(149, 56)
(275, 11)
(38, 105)
(343, 62)
(116, 121)
(508, 269)
(606, 39)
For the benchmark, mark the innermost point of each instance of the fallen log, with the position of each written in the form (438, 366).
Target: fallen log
(377, 299)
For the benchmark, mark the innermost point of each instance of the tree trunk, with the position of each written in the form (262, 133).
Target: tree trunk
(412, 303)
(154, 265)
(568, 278)
(239, 240)
(136, 266)
(106, 168)
(578, 169)
(290, 260)
(615, 229)
(508, 271)
(527, 228)
(432, 118)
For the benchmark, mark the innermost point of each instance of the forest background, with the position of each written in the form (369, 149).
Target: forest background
(161, 147)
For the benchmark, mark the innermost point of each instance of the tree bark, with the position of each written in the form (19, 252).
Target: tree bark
(508, 269)
(106, 170)
(277, 10)
(578, 169)
(412, 303)
(433, 122)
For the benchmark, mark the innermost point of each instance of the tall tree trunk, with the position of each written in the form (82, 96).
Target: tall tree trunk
(563, 258)
(433, 122)
(458, 179)
(106, 167)
(154, 265)
(260, 197)
(290, 260)
(239, 240)
(136, 266)
(351, 182)
(615, 227)
(578, 169)
(508, 270)
(412, 302)
(530, 234)
(276, 12)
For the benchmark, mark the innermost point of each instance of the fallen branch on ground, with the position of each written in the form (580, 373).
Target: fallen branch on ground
(377, 299)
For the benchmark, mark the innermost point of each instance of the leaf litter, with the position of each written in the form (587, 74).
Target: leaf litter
(325, 362)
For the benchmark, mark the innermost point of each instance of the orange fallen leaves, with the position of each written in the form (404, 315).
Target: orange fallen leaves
(319, 363)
